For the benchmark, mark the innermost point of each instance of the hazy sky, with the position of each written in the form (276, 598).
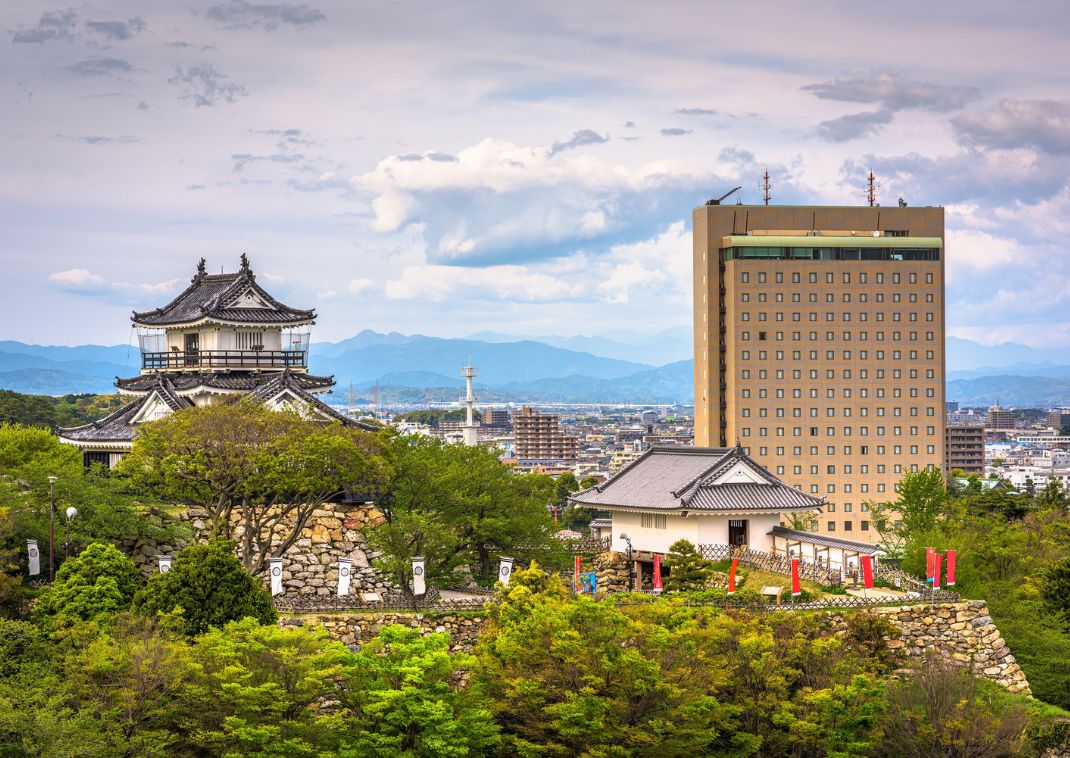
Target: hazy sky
(450, 167)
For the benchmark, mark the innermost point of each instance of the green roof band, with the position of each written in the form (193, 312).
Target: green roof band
(824, 242)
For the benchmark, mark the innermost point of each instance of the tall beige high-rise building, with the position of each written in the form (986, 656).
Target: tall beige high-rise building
(819, 346)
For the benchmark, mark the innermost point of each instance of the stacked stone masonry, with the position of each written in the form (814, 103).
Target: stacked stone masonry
(311, 564)
(963, 632)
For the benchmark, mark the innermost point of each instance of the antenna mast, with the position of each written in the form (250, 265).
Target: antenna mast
(766, 197)
(871, 192)
(470, 432)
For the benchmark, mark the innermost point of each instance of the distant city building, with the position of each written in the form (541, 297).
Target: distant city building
(964, 448)
(224, 335)
(1059, 419)
(952, 406)
(496, 418)
(819, 345)
(1000, 418)
(538, 437)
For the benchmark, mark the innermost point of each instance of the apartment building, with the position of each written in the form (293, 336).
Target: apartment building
(1000, 418)
(964, 448)
(538, 436)
(819, 346)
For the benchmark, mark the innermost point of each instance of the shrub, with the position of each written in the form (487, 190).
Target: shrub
(688, 570)
(208, 586)
(99, 582)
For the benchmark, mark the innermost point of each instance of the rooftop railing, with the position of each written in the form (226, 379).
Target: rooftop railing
(185, 360)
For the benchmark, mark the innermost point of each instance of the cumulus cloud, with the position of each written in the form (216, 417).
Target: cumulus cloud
(580, 138)
(238, 14)
(674, 132)
(78, 278)
(507, 282)
(501, 203)
(53, 25)
(202, 86)
(101, 67)
(1039, 124)
(118, 30)
(893, 94)
(853, 125)
(361, 286)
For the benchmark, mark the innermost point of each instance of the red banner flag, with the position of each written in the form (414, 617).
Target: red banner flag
(867, 571)
(576, 578)
(929, 562)
(657, 573)
(732, 577)
(950, 568)
(937, 560)
(796, 588)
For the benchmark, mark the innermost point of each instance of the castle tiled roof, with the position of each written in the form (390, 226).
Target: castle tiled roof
(225, 298)
(676, 478)
(224, 382)
(119, 427)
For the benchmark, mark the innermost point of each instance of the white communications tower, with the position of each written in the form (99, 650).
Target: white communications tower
(470, 434)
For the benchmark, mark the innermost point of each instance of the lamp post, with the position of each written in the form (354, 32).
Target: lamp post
(72, 513)
(52, 528)
(631, 563)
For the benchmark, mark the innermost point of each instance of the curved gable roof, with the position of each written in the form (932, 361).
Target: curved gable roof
(231, 298)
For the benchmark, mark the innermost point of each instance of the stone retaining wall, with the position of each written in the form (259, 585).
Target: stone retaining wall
(355, 629)
(963, 632)
(334, 531)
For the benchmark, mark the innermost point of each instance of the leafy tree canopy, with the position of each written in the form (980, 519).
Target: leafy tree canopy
(99, 582)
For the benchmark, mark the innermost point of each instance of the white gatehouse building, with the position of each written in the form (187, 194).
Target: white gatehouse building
(223, 336)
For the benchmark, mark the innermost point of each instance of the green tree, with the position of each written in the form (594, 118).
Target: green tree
(688, 570)
(265, 691)
(944, 710)
(923, 502)
(1055, 588)
(564, 485)
(458, 506)
(588, 481)
(404, 702)
(99, 582)
(207, 586)
(271, 468)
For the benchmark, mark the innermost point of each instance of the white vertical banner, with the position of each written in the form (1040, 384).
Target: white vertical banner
(419, 587)
(505, 570)
(345, 572)
(165, 564)
(276, 575)
(35, 557)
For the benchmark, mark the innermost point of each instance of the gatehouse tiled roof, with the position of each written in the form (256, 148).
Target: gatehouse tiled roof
(680, 478)
(216, 297)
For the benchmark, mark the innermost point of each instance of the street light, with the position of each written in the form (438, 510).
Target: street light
(52, 528)
(72, 513)
(631, 563)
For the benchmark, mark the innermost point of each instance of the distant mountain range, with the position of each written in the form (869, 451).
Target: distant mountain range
(610, 367)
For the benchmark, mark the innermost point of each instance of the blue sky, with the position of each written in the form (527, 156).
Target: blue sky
(446, 168)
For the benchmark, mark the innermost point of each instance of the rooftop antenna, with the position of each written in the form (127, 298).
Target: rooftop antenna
(766, 197)
(427, 398)
(352, 409)
(871, 191)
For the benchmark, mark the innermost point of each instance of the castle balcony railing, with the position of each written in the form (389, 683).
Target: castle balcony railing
(223, 360)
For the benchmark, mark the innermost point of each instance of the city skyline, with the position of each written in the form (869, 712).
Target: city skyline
(436, 169)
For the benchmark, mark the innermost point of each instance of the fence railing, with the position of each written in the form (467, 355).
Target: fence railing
(588, 545)
(354, 603)
(245, 359)
(821, 572)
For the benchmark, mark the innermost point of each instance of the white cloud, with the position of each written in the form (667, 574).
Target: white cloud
(512, 283)
(78, 278)
(980, 251)
(361, 286)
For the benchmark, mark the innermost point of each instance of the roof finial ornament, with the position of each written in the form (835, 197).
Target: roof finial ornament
(244, 263)
(201, 270)
(739, 446)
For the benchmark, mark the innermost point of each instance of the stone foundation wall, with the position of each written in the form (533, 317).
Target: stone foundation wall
(311, 564)
(963, 632)
(356, 629)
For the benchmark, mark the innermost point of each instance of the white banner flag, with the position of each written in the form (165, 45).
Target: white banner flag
(505, 570)
(165, 564)
(276, 575)
(345, 571)
(418, 585)
(35, 557)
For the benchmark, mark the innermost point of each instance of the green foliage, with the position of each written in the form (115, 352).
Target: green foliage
(404, 699)
(944, 710)
(1055, 588)
(99, 582)
(922, 503)
(588, 481)
(433, 418)
(459, 507)
(688, 570)
(207, 586)
(564, 485)
(53, 412)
